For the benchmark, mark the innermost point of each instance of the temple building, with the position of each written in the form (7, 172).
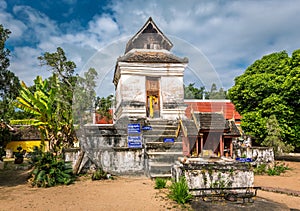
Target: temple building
(153, 124)
(148, 78)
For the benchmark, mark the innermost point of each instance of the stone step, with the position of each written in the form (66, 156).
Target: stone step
(162, 126)
(159, 169)
(164, 148)
(160, 175)
(160, 144)
(160, 133)
(162, 122)
(159, 164)
(155, 138)
(165, 153)
(159, 136)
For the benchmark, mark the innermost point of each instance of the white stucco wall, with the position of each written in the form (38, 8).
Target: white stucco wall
(133, 88)
(172, 89)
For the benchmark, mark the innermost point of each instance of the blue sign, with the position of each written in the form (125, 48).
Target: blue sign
(244, 160)
(134, 128)
(134, 142)
(147, 128)
(169, 140)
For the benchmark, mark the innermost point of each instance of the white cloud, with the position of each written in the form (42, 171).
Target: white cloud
(7, 20)
(29, 66)
(228, 33)
(39, 26)
(231, 34)
(104, 26)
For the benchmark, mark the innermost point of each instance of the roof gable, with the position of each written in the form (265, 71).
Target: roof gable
(211, 121)
(149, 37)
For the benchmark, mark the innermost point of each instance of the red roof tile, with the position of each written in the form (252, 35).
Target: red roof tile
(224, 106)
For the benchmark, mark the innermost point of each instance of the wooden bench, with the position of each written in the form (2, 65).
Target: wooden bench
(230, 194)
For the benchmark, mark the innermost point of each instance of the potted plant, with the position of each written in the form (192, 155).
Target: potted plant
(19, 156)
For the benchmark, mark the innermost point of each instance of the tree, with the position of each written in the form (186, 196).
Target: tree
(274, 137)
(84, 97)
(43, 104)
(270, 86)
(5, 137)
(63, 77)
(215, 94)
(9, 83)
(191, 92)
(50, 101)
(104, 105)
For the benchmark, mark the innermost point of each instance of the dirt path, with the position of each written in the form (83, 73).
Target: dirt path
(288, 182)
(120, 194)
(125, 193)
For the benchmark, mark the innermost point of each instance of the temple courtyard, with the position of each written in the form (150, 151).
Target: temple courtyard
(136, 193)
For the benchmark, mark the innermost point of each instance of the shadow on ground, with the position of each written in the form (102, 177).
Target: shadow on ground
(258, 204)
(13, 177)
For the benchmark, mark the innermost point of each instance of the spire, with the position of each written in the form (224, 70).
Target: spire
(149, 37)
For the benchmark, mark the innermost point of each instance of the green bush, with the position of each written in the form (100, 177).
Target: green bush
(50, 170)
(160, 183)
(179, 191)
(260, 169)
(99, 174)
(278, 169)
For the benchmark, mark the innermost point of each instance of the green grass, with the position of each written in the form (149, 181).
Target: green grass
(179, 191)
(160, 183)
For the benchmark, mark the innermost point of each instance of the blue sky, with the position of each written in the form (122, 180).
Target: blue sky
(221, 38)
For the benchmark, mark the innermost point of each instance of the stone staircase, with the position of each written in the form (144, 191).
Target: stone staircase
(162, 147)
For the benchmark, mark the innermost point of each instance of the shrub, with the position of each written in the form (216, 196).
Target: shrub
(179, 191)
(99, 174)
(260, 169)
(278, 169)
(160, 183)
(50, 170)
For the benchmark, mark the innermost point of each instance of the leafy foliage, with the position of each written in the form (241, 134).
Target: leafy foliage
(9, 83)
(191, 92)
(273, 138)
(99, 174)
(43, 103)
(84, 97)
(215, 93)
(270, 86)
(160, 183)
(104, 105)
(179, 191)
(277, 169)
(5, 137)
(50, 170)
(63, 83)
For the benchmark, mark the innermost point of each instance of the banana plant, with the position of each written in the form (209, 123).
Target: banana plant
(45, 104)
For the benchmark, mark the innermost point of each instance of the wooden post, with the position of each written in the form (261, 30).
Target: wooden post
(201, 145)
(231, 148)
(77, 165)
(221, 146)
(197, 147)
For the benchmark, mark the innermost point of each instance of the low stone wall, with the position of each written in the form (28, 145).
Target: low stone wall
(107, 148)
(221, 174)
(71, 155)
(259, 155)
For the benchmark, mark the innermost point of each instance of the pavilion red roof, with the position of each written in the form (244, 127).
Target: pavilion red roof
(224, 106)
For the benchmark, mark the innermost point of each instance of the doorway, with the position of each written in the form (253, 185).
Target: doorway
(153, 97)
